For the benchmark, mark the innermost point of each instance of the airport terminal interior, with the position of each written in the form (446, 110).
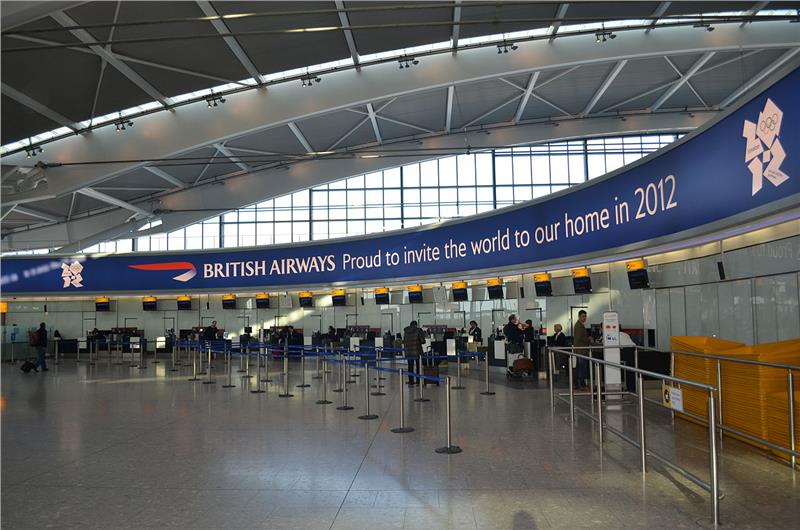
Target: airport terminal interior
(365, 265)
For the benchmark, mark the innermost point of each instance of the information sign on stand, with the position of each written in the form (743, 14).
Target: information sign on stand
(672, 397)
(451, 346)
(613, 376)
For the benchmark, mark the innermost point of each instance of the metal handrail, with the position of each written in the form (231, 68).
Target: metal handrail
(712, 486)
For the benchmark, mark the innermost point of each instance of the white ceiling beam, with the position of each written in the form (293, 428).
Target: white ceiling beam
(448, 118)
(758, 6)
(85, 37)
(374, 121)
(348, 35)
(71, 207)
(224, 151)
(657, 12)
(454, 36)
(178, 183)
(526, 96)
(560, 14)
(300, 137)
(8, 211)
(232, 43)
(130, 188)
(403, 123)
(38, 214)
(689, 84)
(108, 199)
(682, 81)
(35, 106)
(606, 84)
(780, 61)
(551, 104)
(348, 133)
(252, 151)
(491, 111)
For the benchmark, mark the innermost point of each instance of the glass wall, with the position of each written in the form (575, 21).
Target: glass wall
(407, 196)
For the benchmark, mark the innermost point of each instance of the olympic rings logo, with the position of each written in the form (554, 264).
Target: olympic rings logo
(769, 123)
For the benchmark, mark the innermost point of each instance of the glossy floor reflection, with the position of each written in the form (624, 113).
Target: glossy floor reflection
(109, 446)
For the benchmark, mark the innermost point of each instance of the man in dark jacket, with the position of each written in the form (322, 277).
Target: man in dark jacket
(210, 332)
(41, 347)
(514, 335)
(412, 346)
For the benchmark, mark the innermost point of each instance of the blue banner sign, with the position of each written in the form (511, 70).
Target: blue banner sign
(745, 161)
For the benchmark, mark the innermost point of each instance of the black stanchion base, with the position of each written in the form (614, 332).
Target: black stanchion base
(487, 393)
(193, 379)
(201, 373)
(449, 450)
(304, 385)
(337, 390)
(246, 376)
(355, 375)
(257, 391)
(344, 407)
(421, 400)
(174, 370)
(155, 362)
(209, 382)
(401, 430)
(316, 377)
(328, 372)
(228, 386)
(142, 367)
(240, 371)
(285, 395)
(323, 402)
(266, 380)
(381, 379)
(115, 364)
(377, 393)
(457, 387)
(368, 417)
(350, 382)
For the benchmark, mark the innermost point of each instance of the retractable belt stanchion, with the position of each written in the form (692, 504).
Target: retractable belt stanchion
(92, 345)
(571, 392)
(246, 352)
(303, 383)
(228, 354)
(458, 386)
(449, 449)
(155, 354)
(600, 403)
(339, 373)
(324, 399)
(349, 366)
(194, 366)
(56, 352)
(367, 415)
(550, 371)
(379, 356)
(258, 389)
(142, 360)
(174, 358)
(402, 428)
(241, 369)
(488, 391)
(267, 359)
(317, 375)
(344, 405)
(209, 372)
(421, 383)
(378, 385)
(120, 353)
(286, 393)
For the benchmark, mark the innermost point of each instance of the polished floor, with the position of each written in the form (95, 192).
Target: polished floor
(109, 446)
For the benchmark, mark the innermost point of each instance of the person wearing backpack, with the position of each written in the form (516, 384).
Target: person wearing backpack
(41, 347)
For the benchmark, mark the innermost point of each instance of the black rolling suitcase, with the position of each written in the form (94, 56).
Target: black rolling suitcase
(27, 366)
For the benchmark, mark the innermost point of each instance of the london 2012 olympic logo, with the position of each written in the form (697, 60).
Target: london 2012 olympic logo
(764, 153)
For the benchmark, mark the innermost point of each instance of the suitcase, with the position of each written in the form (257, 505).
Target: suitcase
(27, 366)
(432, 371)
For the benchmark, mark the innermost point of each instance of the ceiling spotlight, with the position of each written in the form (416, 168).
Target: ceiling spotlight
(603, 35)
(122, 124)
(706, 25)
(407, 62)
(309, 80)
(552, 122)
(32, 151)
(214, 101)
(506, 46)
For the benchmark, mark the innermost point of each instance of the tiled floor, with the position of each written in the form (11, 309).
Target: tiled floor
(108, 446)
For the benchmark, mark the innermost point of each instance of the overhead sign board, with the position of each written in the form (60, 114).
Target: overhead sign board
(744, 166)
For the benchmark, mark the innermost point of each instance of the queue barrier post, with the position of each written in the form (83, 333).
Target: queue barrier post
(324, 400)
(488, 391)
(448, 449)
(317, 375)
(174, 358)
(344, 405)
(378, 385)
(458, 386)
(58, 362)
(599, 403)
(421, 383)
(792, 436)
(339, 373)
(194, 366)
(230, 384)
(247, 353)
(642, 434)
(303, 383)
(142, 360)
(92, 345)
(286, 393)
(367, 415)
(209, 372)
(258, 389)
(267, 359)
(155, 354)
(379, 355)
(712, 458)
(571, 393)
(551, 373)
(402, 428)
(242, 368)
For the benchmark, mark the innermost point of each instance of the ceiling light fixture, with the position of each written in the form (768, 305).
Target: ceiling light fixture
(309, 80)
(122, 124)
(706, 25)
(505, 46)
(213, 101)
(32, 151)
(603, 35)
(406, 61)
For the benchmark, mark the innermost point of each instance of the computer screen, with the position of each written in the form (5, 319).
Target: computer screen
(382, 298)
(149, 305)
(262, 303)
(582, 284)
(102, 306)
(229, 304)
(307, 301)
(638, 279)
(544, 288)
(460, 295)
(184, 305)
(495, 292)
(339, 300)
(415, 297)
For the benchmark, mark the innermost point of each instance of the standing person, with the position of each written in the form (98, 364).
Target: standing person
(475, 332)
(41, 347)
(412, 346)
(529, 333)
(558, 340)
(514, 335)
(581, 339)
(210, 332)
